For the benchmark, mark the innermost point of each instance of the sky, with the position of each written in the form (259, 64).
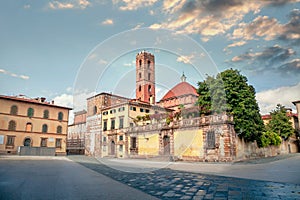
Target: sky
(67, 50)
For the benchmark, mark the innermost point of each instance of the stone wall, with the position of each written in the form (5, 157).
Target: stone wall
(250, 150)
(186, 139)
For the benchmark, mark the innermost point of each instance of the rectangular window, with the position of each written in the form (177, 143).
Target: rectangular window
(141, 110)
(121, 122)
(112, 127)
(210, 138)
(147, 111)
(105, 125)
(110, 111)
(121, 137)
(121, 148)
(10, 140)
(104, 148)
(104, 139)
(131, 124)
(133, 142)
(43, 142)
(57, 143)
(134, 108)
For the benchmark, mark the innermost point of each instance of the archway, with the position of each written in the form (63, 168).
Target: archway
(166, 145)
(27, 142)
(112, 148)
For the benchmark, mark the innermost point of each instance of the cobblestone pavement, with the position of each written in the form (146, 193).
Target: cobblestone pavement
(172, 184)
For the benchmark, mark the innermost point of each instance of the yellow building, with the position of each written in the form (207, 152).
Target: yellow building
(32, 123)
(115, 121)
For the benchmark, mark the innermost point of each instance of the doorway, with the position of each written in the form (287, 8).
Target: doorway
(112, 148)
(27, 142)
(166, 145)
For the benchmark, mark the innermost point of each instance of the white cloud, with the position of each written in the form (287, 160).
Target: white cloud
(69, 89)
(139, 25)
(102, 62)
(127, 64)
(207, 18)
(267, 100)
(73, 4)
(24, 77)
(261, 26)
(27, 6)
(64, 100)
(108, 22)
(133, 4)
(237, 44)
(185, 59)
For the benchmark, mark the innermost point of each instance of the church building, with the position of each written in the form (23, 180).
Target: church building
(145, 128)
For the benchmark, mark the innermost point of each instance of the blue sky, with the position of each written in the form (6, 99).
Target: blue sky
(46, 45)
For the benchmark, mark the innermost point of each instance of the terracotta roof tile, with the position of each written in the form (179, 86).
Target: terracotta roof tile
(180, 89)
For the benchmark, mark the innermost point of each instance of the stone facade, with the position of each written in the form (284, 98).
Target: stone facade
(76, 134)
(187, 139)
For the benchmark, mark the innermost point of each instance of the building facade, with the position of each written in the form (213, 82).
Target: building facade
(32, 123)
(143, 128)
(76, 134)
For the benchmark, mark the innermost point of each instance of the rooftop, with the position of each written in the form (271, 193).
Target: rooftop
(39, 100)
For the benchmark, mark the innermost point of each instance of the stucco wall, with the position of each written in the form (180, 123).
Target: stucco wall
(188, 143)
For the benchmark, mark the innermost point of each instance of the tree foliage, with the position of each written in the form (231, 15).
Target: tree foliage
(229, 92)
(280, 123)
(270, 138)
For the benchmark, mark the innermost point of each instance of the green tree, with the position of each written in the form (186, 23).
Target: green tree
(270, 138)
(230, 92)
(280, 123)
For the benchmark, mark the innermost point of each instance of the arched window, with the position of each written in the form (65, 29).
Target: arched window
(149, 88)
(27, 142)
(149, 64)
(28, 127)
(140, 63)
(60, 116)
(46, 114)
(45, 128)
(30, 112)
(59, 129)
(14, 110)
(12, 125)
(95, 110)
(140, 88)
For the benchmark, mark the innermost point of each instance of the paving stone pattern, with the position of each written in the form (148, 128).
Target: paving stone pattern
(172, 184)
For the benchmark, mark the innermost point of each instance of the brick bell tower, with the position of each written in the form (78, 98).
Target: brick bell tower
(145, 77)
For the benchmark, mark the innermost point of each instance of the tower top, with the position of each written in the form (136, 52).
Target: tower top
(183, 78)
(144, 52)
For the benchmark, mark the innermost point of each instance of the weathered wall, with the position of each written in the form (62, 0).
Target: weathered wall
(149, 145)
(188, 143)
(250, 150)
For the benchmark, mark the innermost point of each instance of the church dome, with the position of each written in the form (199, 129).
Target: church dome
(180, 89)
